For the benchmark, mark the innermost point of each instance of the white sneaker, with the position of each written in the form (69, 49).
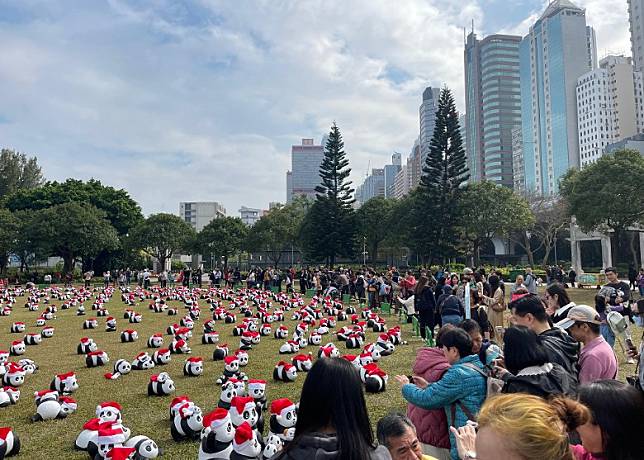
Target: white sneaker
(630, 361)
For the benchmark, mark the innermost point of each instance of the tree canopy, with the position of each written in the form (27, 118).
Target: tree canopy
(9, 228)
(223, 237)
(161, 235)
(374, 222)
(18, 172)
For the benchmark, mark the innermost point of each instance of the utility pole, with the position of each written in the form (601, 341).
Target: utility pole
(364, 250)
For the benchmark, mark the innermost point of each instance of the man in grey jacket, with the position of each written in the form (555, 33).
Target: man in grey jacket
(530, 281)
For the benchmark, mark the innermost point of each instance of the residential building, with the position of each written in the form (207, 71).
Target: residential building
(552, 57)
(636, 20)
(199, 213)
(518, 167)
(390, 174)
(427, 112)
(402, 182)
(493, 105)
(249, 216)
(304, 175)
(609, 106)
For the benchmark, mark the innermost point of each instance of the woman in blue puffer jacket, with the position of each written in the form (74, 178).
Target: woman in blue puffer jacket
(460, 392)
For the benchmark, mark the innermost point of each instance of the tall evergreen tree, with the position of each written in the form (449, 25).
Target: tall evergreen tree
(328, 230)
(444, 172)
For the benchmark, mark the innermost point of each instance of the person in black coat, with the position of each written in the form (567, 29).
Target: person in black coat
(425, 305)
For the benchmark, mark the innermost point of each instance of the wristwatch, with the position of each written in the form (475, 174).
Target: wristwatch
(470, 455)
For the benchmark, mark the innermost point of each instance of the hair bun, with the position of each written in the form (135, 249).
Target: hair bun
(572, 413)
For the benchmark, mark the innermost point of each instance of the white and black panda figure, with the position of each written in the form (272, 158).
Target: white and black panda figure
(173, 312)
(246, 443)
(32, 339)
(350, 310)
(47, 332)
(90, 323)
(353, 359)
(328, 351)
(50, 406)
(384, 345)
(155, 341)
(110, 324)
(272, 447)
(108, 438)
(96, 358)
(374, 378)
(209, 326)
(144, 447)
(86, 345)
(187, 422)
(129, 335)
(365, 358)
(193, 367)
(17, 348)
(281, 332)
(127, 314)
(231, 369)
(183, 333)
(173, 328)
(373, 351)
(179, 347)
(242, 356)
(289, 347)
(266, 330)
(80, 311)
(161, 357)
(160, 385)
(14, 375)
(230, 318)
(209, 338)
(64, 384)
(246, 341)
(18, 327)
(143, 361)
(228, 392)
(4, 357)
(303, 363)
(9, 443)
(188, 322)
(9, 396)
(135, 318)
(283, 419)
(395, 335)
(243, 410)
(315, 339)
(257, 391)
(217, 438)
(102, 312)
(341, 316)
(354, 341)
(284, 372)
(28, 365)
(176, 403)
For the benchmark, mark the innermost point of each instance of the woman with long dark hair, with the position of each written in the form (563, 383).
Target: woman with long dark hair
(332, 421)
(425, 305)
(615, 431)
(496, 306)
(557, 302)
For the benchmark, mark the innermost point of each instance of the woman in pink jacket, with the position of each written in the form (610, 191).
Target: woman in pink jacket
(431, 425)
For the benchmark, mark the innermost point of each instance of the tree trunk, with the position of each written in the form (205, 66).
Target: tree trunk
(68, 263)
(631, 243)
(373, 256)
(528, 249)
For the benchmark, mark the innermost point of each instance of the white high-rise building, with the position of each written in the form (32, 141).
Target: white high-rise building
(304, 175)
(249, 216)
(636, 19)
(427, 113)
(200, 213)
(553, 55)
(609, 106)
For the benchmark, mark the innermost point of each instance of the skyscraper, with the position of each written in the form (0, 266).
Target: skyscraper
(304, 175)
(609, 106)
(493, 106)
(390, 174)
(427, 113)
(553, 56)
(636, 19)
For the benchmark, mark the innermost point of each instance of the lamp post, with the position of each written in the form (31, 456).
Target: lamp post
(364, 250)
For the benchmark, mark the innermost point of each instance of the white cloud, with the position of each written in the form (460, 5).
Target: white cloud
(179, 100)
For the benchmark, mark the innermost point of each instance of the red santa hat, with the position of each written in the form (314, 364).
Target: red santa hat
(243, 437)
(256, 383)
(121, 453)
(239, 403)
(230, 359)
(112, 404)
(302, 358)
(69, 401)
(17, 342)
(281, 406)
(43, 393)
(195, 359)
(216, 418)
(93, 424)
(110, 435)
(4, 432)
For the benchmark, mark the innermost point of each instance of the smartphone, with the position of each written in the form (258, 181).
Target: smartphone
(411, 378)
(630, 344)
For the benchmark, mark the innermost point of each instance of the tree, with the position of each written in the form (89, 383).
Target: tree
(161, 235)
(223, 237)
(71, 231)
(606, 195)
(373, 219)
(17, 172)
(550, 218)
(489, 210)
(8, 235)
(328, 229)
(120, 209)
(444, 172)
(278, 230)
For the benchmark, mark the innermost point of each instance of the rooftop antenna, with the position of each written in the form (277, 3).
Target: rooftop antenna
(464, 38)
(368, 166)
(472, 25)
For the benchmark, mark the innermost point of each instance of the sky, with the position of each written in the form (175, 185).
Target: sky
(200, 100)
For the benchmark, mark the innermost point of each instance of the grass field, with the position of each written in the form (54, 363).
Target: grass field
(149, 415)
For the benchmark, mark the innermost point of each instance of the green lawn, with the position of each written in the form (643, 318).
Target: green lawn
(149, 415)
